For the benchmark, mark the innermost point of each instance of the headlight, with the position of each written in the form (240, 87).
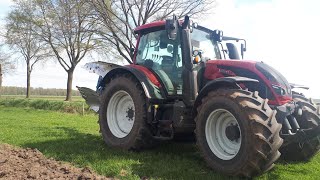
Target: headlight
(279, 90)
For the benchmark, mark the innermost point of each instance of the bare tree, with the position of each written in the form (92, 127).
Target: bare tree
(67, 28)
(118, 18)
(20, 37)
(6, 65)
(0, 78)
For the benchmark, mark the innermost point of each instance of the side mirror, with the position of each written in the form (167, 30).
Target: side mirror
(217, 35)
(172, 27)
(243, 49)
(233, 51)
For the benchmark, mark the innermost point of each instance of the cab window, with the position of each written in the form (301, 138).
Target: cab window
(163, 56)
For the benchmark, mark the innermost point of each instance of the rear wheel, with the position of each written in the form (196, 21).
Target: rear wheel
(122, 114)
(237, 133)
(308, 117)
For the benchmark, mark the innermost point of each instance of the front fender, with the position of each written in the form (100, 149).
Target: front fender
(225, 82)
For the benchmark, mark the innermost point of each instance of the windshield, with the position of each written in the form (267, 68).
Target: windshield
(201, 41)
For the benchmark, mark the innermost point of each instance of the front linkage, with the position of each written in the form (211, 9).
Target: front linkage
(300, 128)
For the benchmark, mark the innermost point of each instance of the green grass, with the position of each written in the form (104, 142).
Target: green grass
(33, 97)
(47, 104)
(74, 138)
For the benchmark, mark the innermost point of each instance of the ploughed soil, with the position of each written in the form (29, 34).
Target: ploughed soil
(17, 163)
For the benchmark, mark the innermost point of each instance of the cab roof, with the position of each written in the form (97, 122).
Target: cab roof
(152, 25)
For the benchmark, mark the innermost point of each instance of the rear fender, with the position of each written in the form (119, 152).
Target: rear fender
(225, 82)
(151, 91)
(108, 70)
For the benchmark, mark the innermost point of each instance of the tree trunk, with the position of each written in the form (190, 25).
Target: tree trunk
(0, 79)
(28, 80)
(69, 84)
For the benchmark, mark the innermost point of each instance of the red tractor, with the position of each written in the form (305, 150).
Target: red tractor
(243, 113)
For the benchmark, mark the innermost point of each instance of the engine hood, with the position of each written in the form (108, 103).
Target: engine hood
(247, 64)
(279, 88)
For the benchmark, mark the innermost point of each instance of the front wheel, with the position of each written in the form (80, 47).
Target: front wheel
(237, 132)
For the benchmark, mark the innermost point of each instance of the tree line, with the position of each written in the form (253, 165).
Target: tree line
(12, 90)
(67, 31)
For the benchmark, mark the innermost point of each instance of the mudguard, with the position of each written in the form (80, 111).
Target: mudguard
(151, 91)
(106, 71)
(225, 82)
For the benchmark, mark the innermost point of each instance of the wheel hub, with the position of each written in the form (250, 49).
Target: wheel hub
(233, 132)
(130, 114)
(223, 134)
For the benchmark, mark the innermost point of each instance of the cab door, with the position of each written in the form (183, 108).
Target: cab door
(163, 57)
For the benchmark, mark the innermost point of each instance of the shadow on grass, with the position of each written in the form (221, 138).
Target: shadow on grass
(167, 161)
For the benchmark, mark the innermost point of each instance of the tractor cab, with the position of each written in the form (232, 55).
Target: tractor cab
(162, 54)
(160, 49)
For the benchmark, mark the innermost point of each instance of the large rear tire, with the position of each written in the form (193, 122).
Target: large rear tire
(122, 114)
(237, 132)
(309, 118)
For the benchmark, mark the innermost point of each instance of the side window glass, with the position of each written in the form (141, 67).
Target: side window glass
(201, 41)
(179, 57)
(163, 56)
(154, 47)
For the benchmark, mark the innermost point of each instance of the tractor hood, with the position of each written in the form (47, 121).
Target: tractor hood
(279, 90)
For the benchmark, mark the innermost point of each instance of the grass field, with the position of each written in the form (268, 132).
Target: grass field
(53, 98)
(75, 138)
(54, 103)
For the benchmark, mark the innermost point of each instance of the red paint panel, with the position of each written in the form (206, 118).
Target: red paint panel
(213, 72)
(153, 25)
(148, 73)
(149, 25)
(250, 65)
(280, 100)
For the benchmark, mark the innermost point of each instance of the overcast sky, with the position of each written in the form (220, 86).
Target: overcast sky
(281, 33)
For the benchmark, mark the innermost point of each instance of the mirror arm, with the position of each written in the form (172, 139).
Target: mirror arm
(132, 52)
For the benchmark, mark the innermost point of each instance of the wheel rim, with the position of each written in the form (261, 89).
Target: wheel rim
(223, 134)
(120, 114)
